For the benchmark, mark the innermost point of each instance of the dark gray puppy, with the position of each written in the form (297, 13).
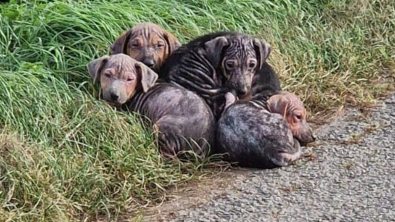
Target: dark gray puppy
(263, 132)
(216, 63)
(182, 118)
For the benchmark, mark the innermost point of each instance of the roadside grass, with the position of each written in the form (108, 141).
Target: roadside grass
(73, 156)
(66, 156)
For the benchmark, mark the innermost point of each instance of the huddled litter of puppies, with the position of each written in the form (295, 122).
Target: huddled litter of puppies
(215, 94)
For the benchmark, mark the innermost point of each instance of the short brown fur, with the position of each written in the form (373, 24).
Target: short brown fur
(148, 43)
(120, 78)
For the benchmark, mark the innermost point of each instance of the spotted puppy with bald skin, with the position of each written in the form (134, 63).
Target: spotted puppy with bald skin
(183, 119)
(263, 132)
(148, 43)
(216, 63)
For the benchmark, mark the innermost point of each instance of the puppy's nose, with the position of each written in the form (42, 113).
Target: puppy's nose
(148, 62)
(114, 97)
(242, 91)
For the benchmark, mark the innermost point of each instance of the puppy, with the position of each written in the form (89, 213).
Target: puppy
(216, 63)
(148, 43)
(263, 132)
(182, 118)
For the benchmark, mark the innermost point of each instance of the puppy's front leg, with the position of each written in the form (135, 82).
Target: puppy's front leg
(230, 98)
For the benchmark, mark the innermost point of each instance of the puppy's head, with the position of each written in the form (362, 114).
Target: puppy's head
(292, 109)
(238, 57)
(120, 77)
(148, 43)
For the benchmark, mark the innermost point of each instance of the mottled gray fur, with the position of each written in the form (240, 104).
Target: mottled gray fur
(216, 63)
(183, 119)
(249, 134)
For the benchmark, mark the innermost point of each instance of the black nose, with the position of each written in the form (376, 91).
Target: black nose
(148, 62)
(114, 97)
(242, 91)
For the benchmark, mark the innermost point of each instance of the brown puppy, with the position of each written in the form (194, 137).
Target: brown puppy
(263, 132)
(148, 43)
(183, 119)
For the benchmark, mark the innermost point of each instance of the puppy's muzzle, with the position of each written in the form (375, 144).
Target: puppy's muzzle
(148, 62)
(308, 137)
(239, 84)
(114, 97)
(242, 89)
(111, 96)
(115, 93)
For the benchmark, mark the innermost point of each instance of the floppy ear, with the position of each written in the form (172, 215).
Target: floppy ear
(95, 67)
(172, 41)
(147, 76)
(262, 50)
(278, 104)
(214, 48)
(120, 44)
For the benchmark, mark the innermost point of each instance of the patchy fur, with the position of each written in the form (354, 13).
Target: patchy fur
(263, 132)
(182, 118)
(216, 63)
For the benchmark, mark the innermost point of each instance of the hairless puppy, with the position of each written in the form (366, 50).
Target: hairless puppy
(265, 131)
(182, 118)
(215, 63)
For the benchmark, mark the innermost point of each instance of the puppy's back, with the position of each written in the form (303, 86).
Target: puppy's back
(179, 113)
(172, 62)
(252, 136)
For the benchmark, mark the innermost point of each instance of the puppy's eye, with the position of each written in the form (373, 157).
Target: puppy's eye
(108, 75)
(129, 79)
(230, 64)
(298, 117)
(135, 45)
(252, 64)
(160, 45)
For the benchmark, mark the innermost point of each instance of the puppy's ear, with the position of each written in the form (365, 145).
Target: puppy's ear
(278, 104)
(172, 41)
(214, 48)
(121, 43)
(96, 66)
(262, 50)
(146, 75)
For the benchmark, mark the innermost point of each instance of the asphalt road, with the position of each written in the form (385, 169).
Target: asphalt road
(350, 176)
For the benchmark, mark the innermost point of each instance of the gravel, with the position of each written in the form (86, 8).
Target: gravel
(350, 177)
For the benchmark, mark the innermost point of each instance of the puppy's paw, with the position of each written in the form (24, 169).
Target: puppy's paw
(230, 98)
(293, 155)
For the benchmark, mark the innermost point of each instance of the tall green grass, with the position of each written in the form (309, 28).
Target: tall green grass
(336, 48)
(75, 156)
(66, 156)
